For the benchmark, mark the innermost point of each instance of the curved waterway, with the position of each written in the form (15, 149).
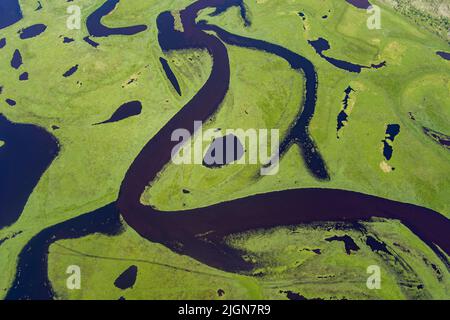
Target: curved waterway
(31, 282)
(97, 29)
(299, 132)
(320, 45)
(26, 154)
(200, 232)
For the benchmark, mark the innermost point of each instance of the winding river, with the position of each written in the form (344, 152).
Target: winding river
(97, 29)
(200, 233)
(31, 282)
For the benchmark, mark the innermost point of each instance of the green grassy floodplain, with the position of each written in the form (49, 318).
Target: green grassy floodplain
(264, 93)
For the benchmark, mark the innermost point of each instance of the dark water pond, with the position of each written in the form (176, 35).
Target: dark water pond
(68, 40)
(71, 71)
(10, 12)
(170, 75)
(343, 115)
(223, 151)
(392, 131)
(376, 246)
(444, 55)
(24, 76)
(16, 60)
(127, 110)
(348, 241)
(127, 279)
(11, 102)
(32, 31)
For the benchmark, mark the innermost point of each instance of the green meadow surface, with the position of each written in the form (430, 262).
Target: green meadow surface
(264, 93)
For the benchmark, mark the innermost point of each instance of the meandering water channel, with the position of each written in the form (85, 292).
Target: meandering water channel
(200, 233)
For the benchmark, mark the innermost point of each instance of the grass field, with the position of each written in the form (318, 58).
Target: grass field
(264, 93)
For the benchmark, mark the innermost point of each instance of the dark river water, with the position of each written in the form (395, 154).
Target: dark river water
(200, 233)
(97, 29)
(221, 8)
(27, 153)
(299, 131)
(361, 4)
(180, 230)
(321, 45)
(31, 280)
